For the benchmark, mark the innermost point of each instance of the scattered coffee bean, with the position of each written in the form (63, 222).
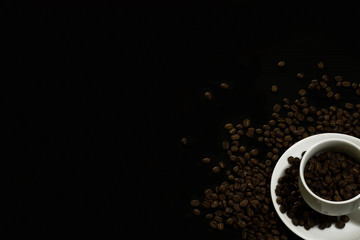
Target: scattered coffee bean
(346, 84)
(215, 169)
(246, 122)
(357, 91)
(224, 85)
(229, 126)
(349, 105)
(302, 92)
(281, 63)
(300, 75)
(196, 211)
(274, 88)
(208, 95)
(276, 108)
(206, 160)
(225, 145)
(320, 65)
(195, 203)
(337, 96)
(340, 224)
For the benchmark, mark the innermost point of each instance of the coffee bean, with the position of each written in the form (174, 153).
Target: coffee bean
(274, 88)
(302, 92)
(209, 216)
(206, 160)
(320, 65)
(349, 105)
(224, 85)
(325, 77)
(241, 224)
(281, 63)
(196, 212)
(330, 94)
(225, 145)
(229, 126)
(300, 75)
(220, 226)
(246, 122)
(244, 203)
(242, 149)
(195, 203)
(215, 169)
(184, 141)
(344, 218)
(276, 107)
(254, 152)
(357, 91)
(338, 78)
(218, 219)
(208, 95)
(213, 224)
(346, 84)
(235, 136)
(340, 224)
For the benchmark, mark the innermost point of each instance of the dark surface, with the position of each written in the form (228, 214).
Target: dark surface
(241, 44)
(104, 93)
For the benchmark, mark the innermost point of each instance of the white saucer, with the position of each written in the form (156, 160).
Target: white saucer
(352, 228)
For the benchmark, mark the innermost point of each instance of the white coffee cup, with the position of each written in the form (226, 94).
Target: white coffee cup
(327, 207)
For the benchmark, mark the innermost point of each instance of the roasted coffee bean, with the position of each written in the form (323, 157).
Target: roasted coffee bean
(274, 88)
(225, 145)
(320, 65)
(209, 216)
(208, 95)
(246, 122)
(302, 92)
(346, 84)
(281, 63)
(215, 169)
(300, 75)
(344, 218)
(349, 105)
(330, 94)
(244, 203)
(276, 107)
(254, 152)
(196, 212)
(195, 203)
(229, 126)
(213, 224)
(224, 85)
(184, 141)
(357, 91)
(206, 160)
(340, 224)
(220, 226)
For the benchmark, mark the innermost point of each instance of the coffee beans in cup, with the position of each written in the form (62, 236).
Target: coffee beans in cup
(294, 206)
(333, 176)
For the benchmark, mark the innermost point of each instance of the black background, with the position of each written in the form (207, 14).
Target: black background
(99, 95)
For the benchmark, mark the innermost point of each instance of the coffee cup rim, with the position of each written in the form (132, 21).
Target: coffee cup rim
(303, 164)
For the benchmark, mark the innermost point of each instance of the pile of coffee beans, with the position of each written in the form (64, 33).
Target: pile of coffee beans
(243, 200)
(294, 206)
(333, 176)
